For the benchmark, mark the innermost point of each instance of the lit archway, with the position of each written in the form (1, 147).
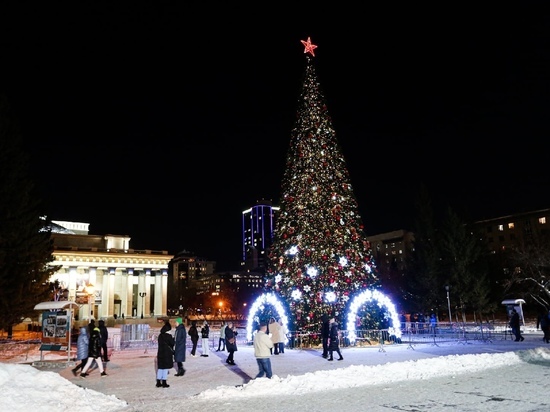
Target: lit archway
(259, 305)
(383, 302)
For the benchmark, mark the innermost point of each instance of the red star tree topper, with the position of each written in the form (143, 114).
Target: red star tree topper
(308, 46)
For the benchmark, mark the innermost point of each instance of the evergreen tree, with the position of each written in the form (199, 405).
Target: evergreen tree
(320, 257)
(464, 259)
(25, 245)
(424, 279)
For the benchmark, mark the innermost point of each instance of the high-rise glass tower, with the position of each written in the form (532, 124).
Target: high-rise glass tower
(258, 230)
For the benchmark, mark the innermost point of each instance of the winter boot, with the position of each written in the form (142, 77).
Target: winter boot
(158, 383)
(181, 372)
(165, 385)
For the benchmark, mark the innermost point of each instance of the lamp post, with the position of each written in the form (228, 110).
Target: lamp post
(447, 287)
(142, 296)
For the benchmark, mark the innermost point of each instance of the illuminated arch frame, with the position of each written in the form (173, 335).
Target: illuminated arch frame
(266, 298)
(366, 296)
(383, 301)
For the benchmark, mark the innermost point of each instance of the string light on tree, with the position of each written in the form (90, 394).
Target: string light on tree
(320, 256)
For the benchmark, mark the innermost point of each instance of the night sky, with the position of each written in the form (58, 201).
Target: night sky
(165, 122)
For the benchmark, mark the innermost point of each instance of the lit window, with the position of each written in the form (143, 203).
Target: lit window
(510, 225)
(542, 220)
(500, 228)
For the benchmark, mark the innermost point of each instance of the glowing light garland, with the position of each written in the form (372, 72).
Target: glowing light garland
(259, 306)
(383, 301)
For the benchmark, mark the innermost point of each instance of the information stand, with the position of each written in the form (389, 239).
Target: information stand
(57, 320)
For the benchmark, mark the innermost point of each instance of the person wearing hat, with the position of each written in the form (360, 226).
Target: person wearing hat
(262, 351)
(165, 354)
(180, 346)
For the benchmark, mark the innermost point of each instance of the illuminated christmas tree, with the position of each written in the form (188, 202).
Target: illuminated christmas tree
(320, 258)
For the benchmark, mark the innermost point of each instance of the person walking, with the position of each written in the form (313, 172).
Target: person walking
(230, 342)
(94, 353)
(275, 331)
(334, 344)
(194, 335)
(325, 334)
(205, 332)
(180, 342)
(81, 349)
(515, 326)
(104, 337)
(165, 355)
(222, 338)
(262, 346)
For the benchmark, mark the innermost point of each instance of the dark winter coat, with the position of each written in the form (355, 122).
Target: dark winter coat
(544, 322)
(104, 332)
(165, 351)
(333, 337)
(514, 320)
(180, 342)
(325, 329)
(205, 331)
(82, 344)
(94, 348)
(229, 334)
(194, 333)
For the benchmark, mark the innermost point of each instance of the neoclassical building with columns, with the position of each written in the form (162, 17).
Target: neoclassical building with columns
(105, 277)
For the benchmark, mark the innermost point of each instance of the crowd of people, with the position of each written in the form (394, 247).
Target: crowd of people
(91, 347)
(270, 338)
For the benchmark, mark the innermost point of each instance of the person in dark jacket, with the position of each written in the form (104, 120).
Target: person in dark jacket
(104, 336)
(205, 332)
(82, 344)
(94, 353)
(334, 344)
(325, 333)
(180, 340)
(515, 326)
(194, 335)
(165, 354)
(230, 342)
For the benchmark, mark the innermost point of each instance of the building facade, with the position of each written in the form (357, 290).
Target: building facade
(258, 227)
(105, 276)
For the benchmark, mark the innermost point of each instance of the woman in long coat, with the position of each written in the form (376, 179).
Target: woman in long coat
(181, 346)
(230, 342)
(334, 344)
(165, 355)
(275, 331)
(82, 349)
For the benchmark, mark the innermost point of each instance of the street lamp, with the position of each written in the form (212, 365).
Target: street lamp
(447, 287)
(142, 296)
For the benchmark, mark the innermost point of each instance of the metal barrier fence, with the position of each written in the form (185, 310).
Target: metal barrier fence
(143, 337)
(411, 334)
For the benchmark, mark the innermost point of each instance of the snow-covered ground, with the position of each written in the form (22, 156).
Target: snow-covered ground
(466, 376)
